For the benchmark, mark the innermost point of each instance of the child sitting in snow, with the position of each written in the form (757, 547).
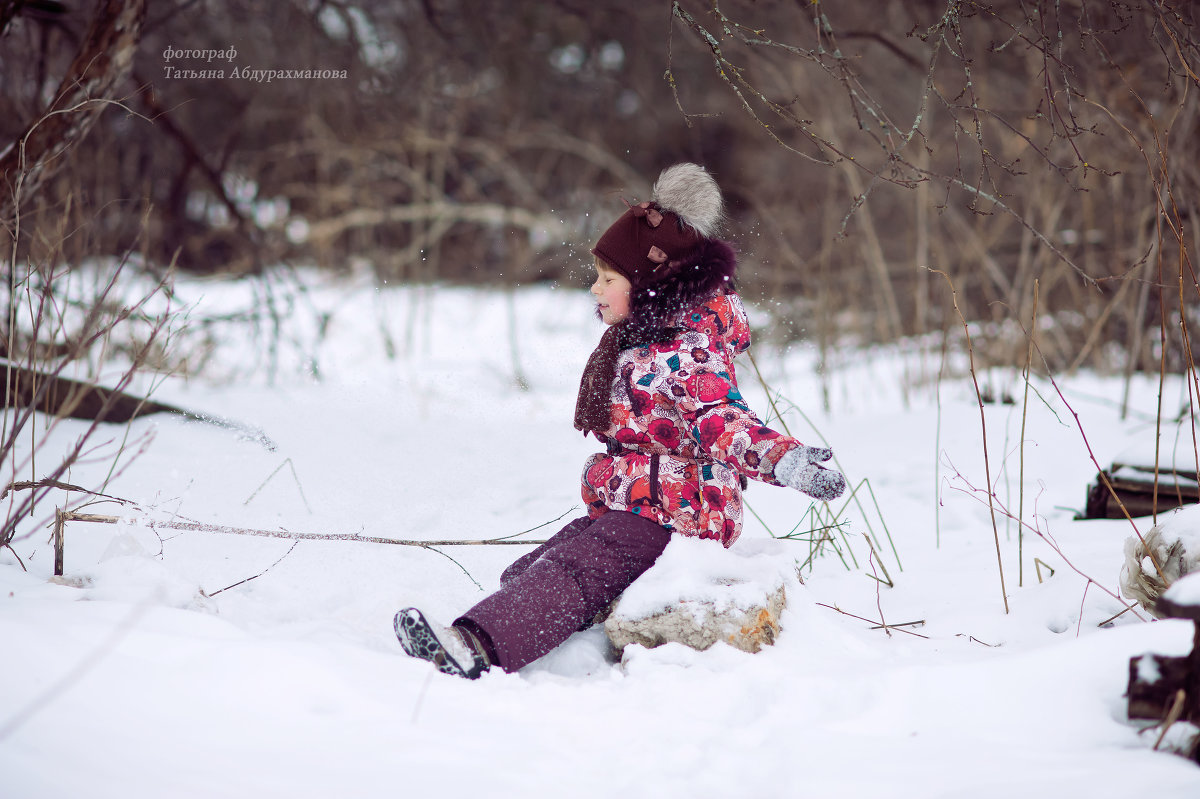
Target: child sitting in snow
(660, 392)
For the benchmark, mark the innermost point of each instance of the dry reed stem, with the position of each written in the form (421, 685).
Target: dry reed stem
(1082, 605)
(974, 492)
(983, 423)
(96, 325)
(286, 462)
(853, 497)
(878, 591)
(1096, 463)
(1172, 716)
(25, 485)
(937, 443)
(767, 390)
(1114, 617)
(1024, 416)
(877, 625)
(876, 260)
(1039, 564)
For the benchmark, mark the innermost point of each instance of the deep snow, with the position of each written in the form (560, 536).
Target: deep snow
(133, 677)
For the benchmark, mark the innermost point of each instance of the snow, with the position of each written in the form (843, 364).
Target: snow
(1176, 449)
(1183, 525)
(1166, 480)
(136, 675)
(1185, 591)
(693, 569)
(1147, 669)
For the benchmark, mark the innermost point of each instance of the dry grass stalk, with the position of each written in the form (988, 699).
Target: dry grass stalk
(987, 468)
(1024, 416)
(44, 342)
(833, 516)
(879, 625)
(1172, 716)
(994, 503)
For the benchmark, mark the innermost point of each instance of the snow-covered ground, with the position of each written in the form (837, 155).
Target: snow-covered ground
(137, 676)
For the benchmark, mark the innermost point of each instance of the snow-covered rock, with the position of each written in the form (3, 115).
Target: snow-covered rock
(699, 593)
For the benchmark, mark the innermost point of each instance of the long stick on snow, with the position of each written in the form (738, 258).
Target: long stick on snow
(61, 517)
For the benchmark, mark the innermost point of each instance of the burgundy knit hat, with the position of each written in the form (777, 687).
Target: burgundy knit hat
(668, 250)
(654, 240)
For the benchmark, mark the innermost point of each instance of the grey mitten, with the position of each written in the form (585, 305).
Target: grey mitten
(800, 469)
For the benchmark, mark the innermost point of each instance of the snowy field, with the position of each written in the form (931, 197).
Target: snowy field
(138, 676)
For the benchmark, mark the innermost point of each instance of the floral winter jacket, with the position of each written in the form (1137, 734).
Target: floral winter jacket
(681, 433)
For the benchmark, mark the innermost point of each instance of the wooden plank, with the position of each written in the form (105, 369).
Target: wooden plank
(1138, 495)
(1153, 684)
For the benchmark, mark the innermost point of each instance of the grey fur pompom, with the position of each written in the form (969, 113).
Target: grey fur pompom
(693, 195)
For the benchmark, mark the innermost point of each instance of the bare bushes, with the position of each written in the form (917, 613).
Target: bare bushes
(994, 142)
(59, 325)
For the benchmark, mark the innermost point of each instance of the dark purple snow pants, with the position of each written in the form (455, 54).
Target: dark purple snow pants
(558, 588)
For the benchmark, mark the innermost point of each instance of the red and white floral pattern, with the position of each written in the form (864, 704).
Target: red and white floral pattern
(682, 433)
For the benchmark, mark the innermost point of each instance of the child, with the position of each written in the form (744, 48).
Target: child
(660, 392)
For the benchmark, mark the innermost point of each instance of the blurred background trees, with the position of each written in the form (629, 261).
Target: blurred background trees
(1021, 148)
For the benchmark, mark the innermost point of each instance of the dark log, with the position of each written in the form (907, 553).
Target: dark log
(60, 396)
(75, 399)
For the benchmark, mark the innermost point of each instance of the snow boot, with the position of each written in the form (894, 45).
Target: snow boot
(453, 650)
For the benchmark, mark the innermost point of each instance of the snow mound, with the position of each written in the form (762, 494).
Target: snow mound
(703, 573)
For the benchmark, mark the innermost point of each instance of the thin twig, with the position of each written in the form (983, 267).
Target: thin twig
(987, 468)
(767, 390)
(1082, 603)
(1095, 462)
(538, 527)
(9, 547)
(876, 626)
(286, 462)
(1021, 470)
(878, 590)
(897, 625)
(260, 574)
(973, 492)
(459, 565)
(1113, 618)
(872, 559)
(25, 485)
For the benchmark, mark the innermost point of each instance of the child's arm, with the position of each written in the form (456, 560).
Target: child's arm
(801, 469)
(727, 430)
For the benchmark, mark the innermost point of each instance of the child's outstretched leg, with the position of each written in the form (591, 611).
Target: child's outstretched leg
(577, 574)
(452, 650)
(569, 531)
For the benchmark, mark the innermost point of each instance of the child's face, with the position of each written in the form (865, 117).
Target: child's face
(611, 291)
